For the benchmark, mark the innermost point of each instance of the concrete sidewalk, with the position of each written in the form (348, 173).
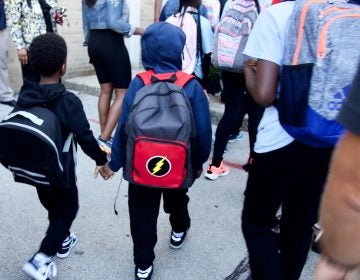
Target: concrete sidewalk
(214, 248)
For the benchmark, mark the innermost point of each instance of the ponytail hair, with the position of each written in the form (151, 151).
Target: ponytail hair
(189, 3)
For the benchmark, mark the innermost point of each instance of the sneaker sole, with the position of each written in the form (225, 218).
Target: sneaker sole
(30, 270)
(176, 247)
(63, 256)
(215, 176)
(234, 140)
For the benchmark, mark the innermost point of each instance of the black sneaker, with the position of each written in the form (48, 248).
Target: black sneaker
(143, 274)
(175, 241)
(67, 245)
(40, 267)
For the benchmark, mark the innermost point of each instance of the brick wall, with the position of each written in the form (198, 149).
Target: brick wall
(141, 15)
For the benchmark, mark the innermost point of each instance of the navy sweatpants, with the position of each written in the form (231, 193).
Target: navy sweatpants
(144, 204)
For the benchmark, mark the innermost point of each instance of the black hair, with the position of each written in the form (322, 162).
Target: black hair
(29, 3)
(47, 54)
(189, 3)
(90, 3)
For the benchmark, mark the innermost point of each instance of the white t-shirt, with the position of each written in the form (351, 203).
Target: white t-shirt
(267, 42)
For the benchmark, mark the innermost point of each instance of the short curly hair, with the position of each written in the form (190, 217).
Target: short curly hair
(47, 54)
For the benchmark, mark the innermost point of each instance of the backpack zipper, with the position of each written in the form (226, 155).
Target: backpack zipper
(303, 15)
(321, 51)
(300, 32)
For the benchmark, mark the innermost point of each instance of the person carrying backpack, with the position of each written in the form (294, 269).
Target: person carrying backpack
(145, 140)
(339, 211)
(199, 39)
(171, 7)
(48, 58)
(285, 172)
(234, 95)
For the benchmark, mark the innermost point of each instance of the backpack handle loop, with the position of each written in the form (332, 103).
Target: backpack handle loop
(171, 79)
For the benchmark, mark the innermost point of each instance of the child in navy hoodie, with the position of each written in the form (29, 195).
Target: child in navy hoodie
(162, 45)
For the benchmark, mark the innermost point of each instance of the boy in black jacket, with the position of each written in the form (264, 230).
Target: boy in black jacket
(48, 58)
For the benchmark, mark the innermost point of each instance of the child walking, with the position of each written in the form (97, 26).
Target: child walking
(48, 58)
(162, 45)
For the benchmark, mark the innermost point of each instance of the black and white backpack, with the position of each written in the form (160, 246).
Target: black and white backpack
(31, 146)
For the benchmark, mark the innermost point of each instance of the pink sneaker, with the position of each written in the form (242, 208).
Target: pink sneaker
(214, 172)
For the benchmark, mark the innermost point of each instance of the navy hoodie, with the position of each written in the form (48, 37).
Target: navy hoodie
(161, 48)
(69, 110)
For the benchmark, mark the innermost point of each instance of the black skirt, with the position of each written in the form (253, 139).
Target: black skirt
(110, 57)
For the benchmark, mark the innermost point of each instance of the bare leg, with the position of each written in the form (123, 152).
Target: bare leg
(104, 104)
(114, 113)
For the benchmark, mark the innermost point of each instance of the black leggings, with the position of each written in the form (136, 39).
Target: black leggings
(144, 204)
(237, 103)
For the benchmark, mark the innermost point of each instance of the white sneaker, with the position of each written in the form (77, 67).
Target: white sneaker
(40, 267)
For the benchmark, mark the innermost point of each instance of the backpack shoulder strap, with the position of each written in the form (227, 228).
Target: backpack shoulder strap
(183, 78)
(258, 8)
(146, 76)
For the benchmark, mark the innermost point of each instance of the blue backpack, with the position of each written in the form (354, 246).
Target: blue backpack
(319, 66)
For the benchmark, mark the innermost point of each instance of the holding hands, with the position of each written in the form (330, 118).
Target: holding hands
(105, 172)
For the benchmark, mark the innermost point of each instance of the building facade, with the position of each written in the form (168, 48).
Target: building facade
(141, 14)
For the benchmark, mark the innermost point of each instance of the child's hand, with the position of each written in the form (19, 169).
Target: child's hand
(105, 172)
(97, 170)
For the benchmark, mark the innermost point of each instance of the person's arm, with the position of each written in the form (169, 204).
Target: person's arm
(201, 113)
(119, 23)
(207, 43)
(13, 12)
(86, 25)
(261, 81)
(326, 270)
(157, 9)
(265, 45)
(77, 123)
(340, 206)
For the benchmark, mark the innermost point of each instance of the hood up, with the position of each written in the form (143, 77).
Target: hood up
(34, 94)
(162, 45)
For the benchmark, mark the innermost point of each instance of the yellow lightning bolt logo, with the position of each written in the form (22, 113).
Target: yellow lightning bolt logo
(158, 166)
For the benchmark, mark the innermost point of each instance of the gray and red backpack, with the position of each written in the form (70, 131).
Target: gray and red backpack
(159, 131)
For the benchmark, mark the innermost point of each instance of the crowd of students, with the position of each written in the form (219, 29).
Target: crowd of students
(284, 173)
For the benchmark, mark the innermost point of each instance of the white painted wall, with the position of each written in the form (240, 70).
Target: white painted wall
(78, 60)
